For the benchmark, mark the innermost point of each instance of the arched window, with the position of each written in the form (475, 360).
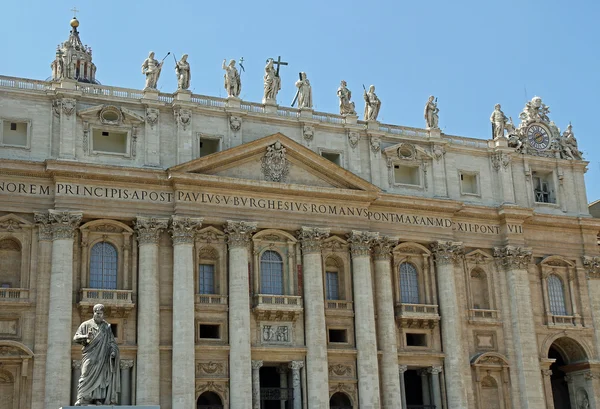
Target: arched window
(333, 289)
(271, 273)
(479, 290)
(103, 266)
(409, 284)
(556, 294)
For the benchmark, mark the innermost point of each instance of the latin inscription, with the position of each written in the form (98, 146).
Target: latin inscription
(238, 201)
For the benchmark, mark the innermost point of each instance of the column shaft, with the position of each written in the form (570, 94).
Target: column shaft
(425, 386)
(435, 386)
(58, 362)
(402, 369)
(183, 374)
(295, 366)
(256, 365)
(148, 318)
(240, 383)
(75, 375)
(364, 320)
(126, 365)
(314, 317)
(386, 325)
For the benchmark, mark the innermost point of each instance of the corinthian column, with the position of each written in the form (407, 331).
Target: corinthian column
(148, 325)
(314, 315)
(183, 230)
(386, 324)
(364, 319)
(295, 366)
(58, 362)
(256, 365)
(446, 254)
(514, 261)
(240, 379)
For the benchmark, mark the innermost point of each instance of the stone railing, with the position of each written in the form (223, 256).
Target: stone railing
(252, 107)
(330, 118)
(338, 305)
(112, 297)
(479, 314)
(464, 141)
(208, 101)
(106, 91)
(211, 299)
(563, 320)
(416, 309)
(24, 83)
(417, 315)
(268, 299)
(14, 294)
(403, 130)
(268, 307)
(287, 112)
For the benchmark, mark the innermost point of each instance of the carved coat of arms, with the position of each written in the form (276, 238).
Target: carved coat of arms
(274, 164)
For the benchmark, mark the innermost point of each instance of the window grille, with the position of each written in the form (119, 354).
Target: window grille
(556, 294)
(332, 286)
(271, 273)
(409, 284)
(103, 266)
(206, 278)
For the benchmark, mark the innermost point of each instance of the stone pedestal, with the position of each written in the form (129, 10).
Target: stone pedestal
(183, 95)
(314, 315)
(238, 238)
(150, 93)
(386, 324)
(373, 125)
(306, 113)
(351, 119)
(364, 319)
(148, 325)
(434, 133)
(58, 358)
(270, 105)
(233, 102)
(183, 230)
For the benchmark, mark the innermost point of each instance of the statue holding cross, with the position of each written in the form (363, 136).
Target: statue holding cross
(272, 80)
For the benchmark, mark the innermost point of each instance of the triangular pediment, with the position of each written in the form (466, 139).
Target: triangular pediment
(302, 166)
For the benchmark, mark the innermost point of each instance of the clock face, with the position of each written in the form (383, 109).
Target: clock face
(538, 137)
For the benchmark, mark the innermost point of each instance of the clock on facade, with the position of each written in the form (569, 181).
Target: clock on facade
(538, 137)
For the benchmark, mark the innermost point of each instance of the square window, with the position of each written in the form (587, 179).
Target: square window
(469, 184)
(110, 141)
(543, 188)
(416, 340)
(13, 126)
(407, 175)
(210, 331)
(209, 146)
(332, 157)
(15, 133)
(338, 335)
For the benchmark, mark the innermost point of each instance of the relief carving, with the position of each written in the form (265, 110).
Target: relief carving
(235, 123)
(151, 117)
(210, 368)
(274, 164)
(276, 334)
(513, 257)
(340, 370)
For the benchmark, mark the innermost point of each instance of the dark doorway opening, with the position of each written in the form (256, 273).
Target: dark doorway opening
(340, 400)
(271, 392)
(209, 400)
(560, 389)
(413, 387)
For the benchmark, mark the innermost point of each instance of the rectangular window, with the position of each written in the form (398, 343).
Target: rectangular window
(407, 175)
(210, 331)
(338, 335)
(115, 330)
(416, 340)
(543, 190)
(332, 285)
(333, 157)
(110, 141)
(206, 278)
(469, 184)
(209, 146)
(15, 133)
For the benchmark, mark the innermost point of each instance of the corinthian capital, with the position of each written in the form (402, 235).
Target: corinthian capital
(126, 363)
(239, 233)
(312, 238)
(63, 223)
(361, 242)
(513, 257)
(447, 251)
(183, 229)
(296, 365)
(382, 247)
(256, 365)
(44, 226)
(148, 229)
(592, 266)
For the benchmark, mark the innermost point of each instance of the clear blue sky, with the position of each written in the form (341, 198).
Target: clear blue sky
(470, 54)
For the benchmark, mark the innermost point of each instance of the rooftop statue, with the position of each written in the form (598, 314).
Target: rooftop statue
(568, 145)
(431, 113)
(233, 82)
(535, 111)
(304, 93)
(184, 75)
(100, 379)
(151, 68)
(372, 104)
(499, 122)
(347, 107)
(272, 82)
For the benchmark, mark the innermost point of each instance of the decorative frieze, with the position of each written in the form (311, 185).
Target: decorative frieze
(340, 371)
(361, 242)
(511, 257)
(592, 266)
(183, 229)
(382, 247)
(238, 233)
(63, 224)
(211, 369)
(44, 227)
(446, 252)
(148, 229)
(312, 238)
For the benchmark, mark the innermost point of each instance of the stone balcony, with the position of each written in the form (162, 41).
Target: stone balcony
(417, 315)
(269, 307)
(117, 303)
(483, 316)
(14, 296)
(563, 321)
(339, 308)
(211, 302)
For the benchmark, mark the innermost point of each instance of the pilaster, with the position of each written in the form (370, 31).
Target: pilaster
(183, 230)
(182, 113)
(66, 111)
(314, 316)
(514, 261)
(364, 321)
(447, 254)
(148, 231)
(591, 264)
(238, 239)
(152, 134)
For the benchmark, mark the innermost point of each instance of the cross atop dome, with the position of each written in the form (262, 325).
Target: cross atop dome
(74, 59)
